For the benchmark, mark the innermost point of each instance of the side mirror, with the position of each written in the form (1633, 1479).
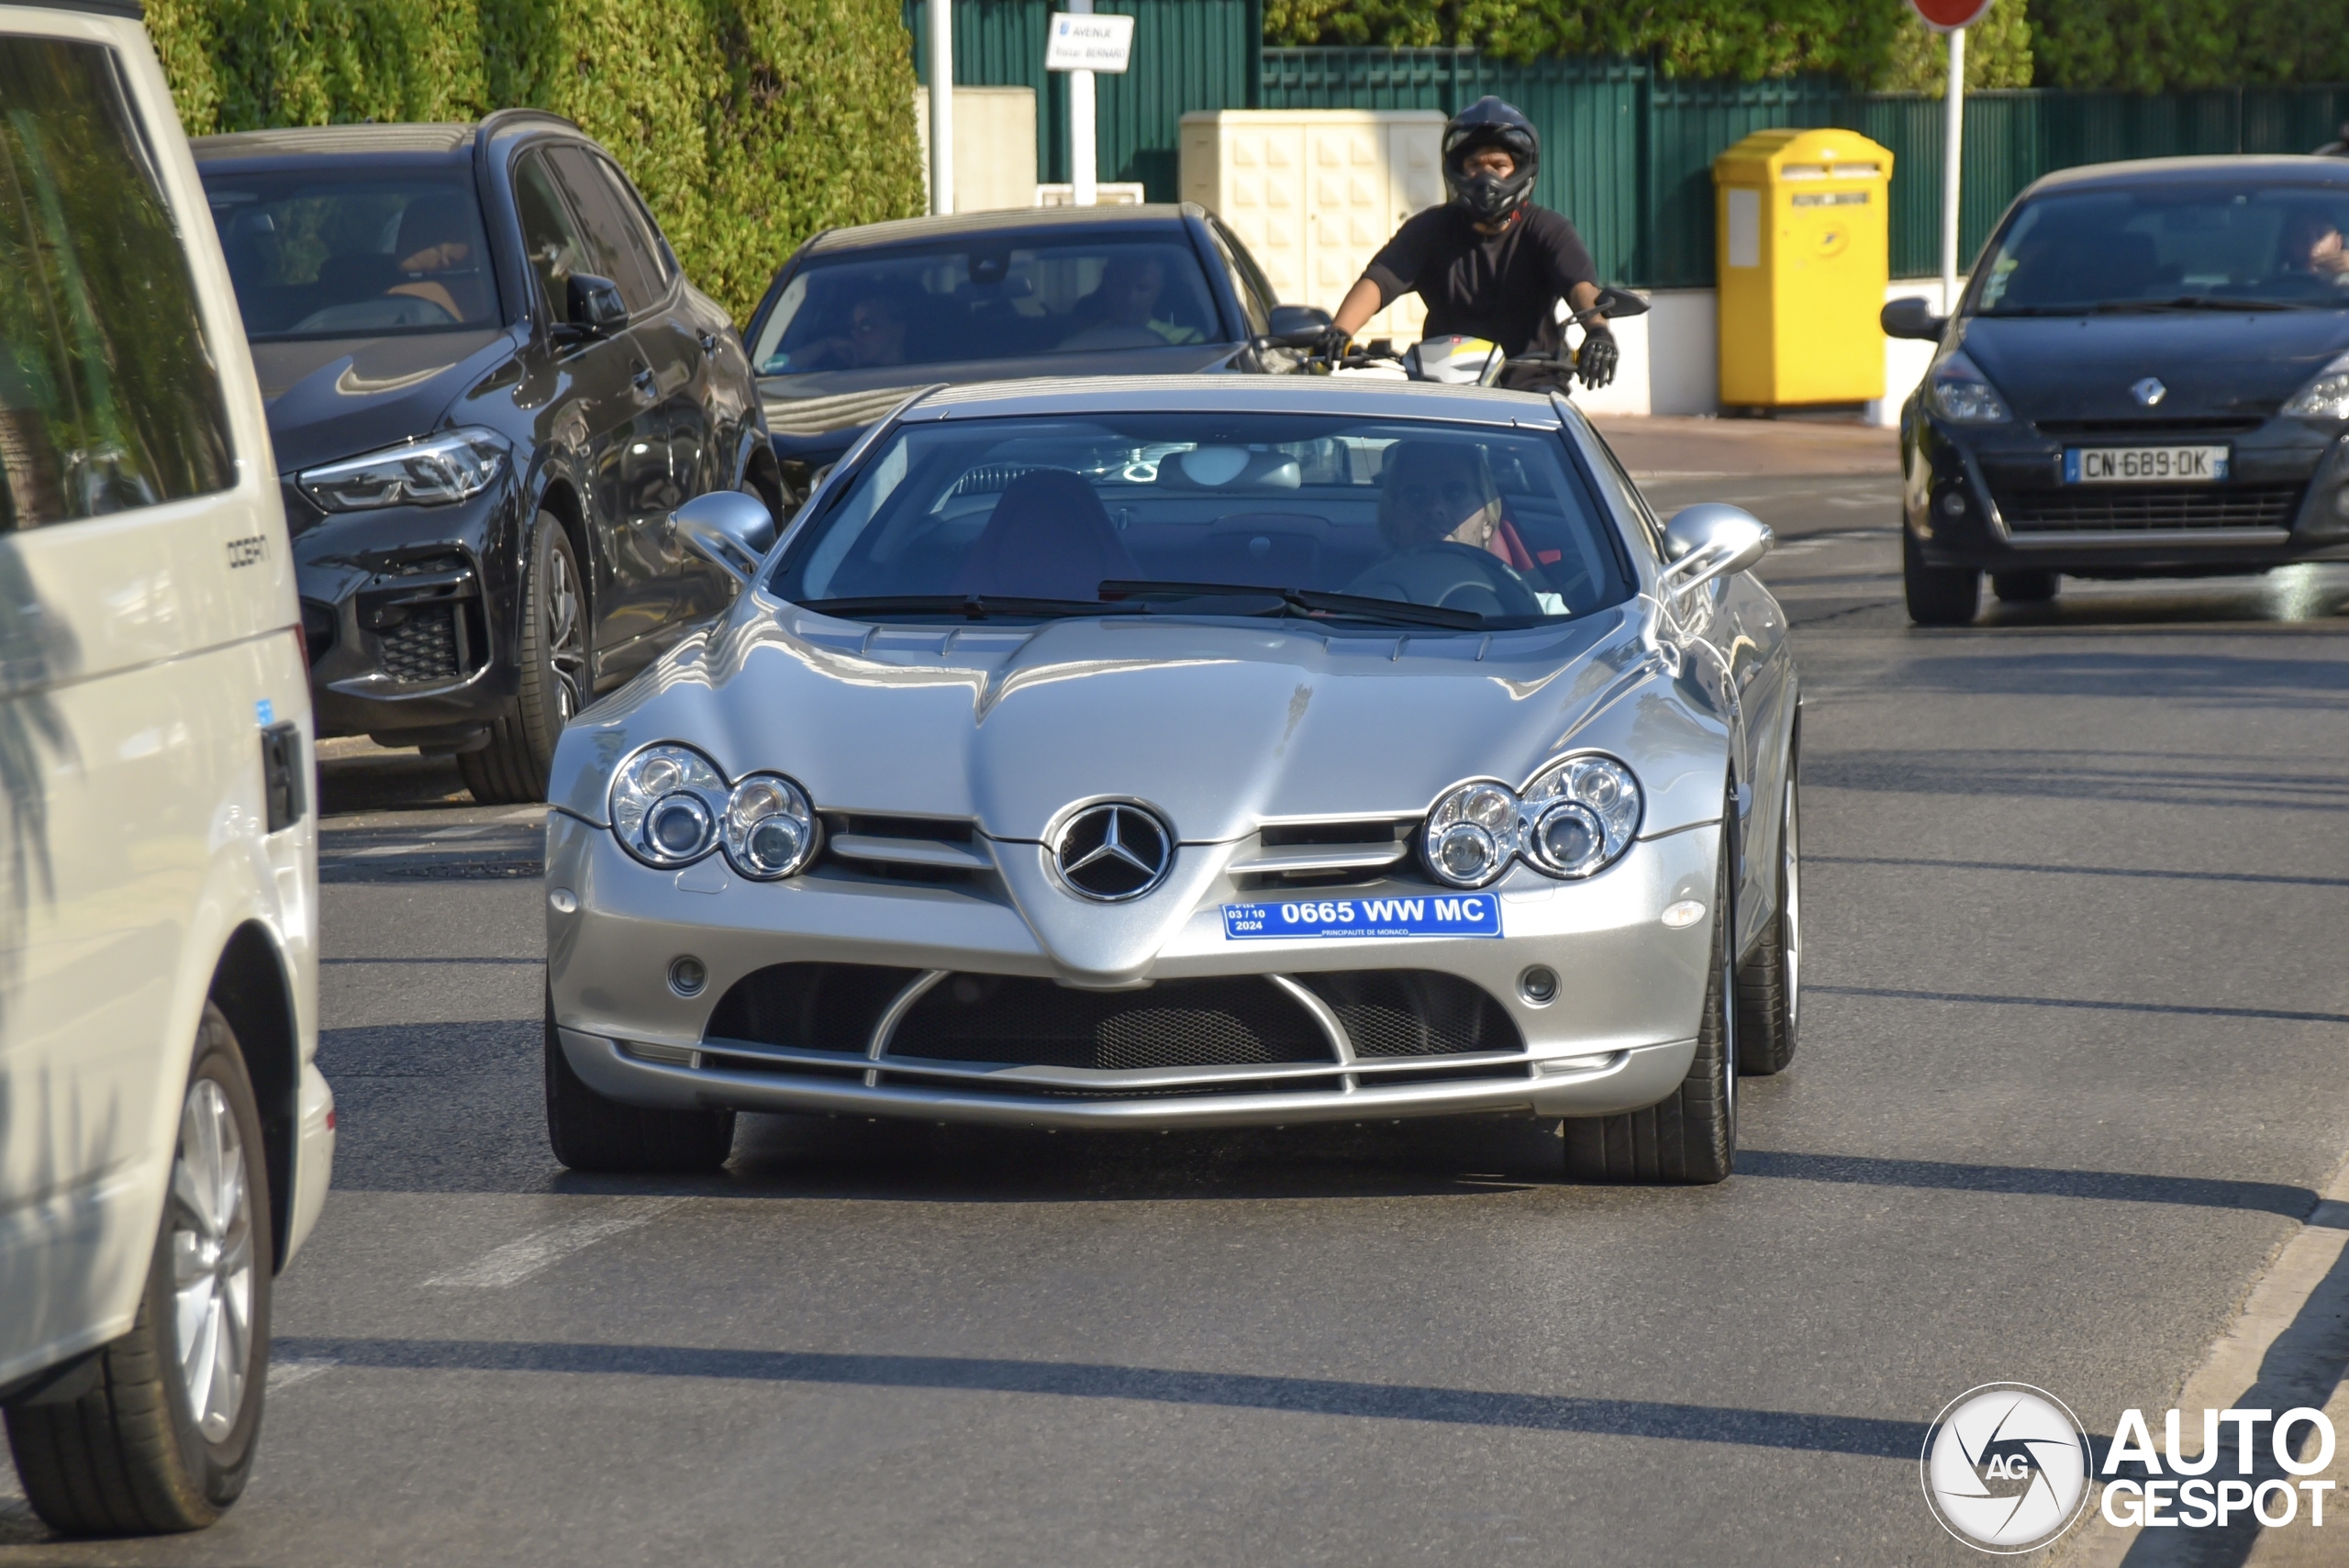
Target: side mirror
(1298, 326)
(1614, 302)
(1711, 540)
(729, 530)
(1912, 318)
(594, 305)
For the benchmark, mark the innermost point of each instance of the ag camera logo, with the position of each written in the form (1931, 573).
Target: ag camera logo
(2006, 1467)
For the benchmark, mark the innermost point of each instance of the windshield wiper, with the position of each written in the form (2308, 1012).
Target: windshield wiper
(2189, 301)
(969, 607)
(1306, 601)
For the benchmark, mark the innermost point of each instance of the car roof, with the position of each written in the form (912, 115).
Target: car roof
(1160, 216)
(332, 142)
(2278, 170)
(1357, 397)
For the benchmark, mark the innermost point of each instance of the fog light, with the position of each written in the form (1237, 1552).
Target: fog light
(1954, 503)
(1539, 986)
(687, 975)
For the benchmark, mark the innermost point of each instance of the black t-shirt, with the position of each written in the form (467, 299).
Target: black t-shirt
(1503, 286)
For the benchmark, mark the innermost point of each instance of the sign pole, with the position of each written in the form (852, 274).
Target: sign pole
(942, 106)
(1083, 177)
(1952, 164)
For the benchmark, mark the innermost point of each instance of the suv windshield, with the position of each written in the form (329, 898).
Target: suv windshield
(1213, 513)
(1010, 296)
(2171, 248)
(353, 253)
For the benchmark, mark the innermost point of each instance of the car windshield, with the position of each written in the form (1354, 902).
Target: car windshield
(2171, 248)
(1009, 297)
(353, 254)
(1383, 520)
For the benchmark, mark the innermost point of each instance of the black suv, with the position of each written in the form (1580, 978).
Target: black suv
(488, 385)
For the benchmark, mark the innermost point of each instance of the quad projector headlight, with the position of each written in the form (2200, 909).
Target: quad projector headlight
(1576, 818)
(670, 807)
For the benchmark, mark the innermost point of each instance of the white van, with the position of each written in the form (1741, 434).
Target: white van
(164, 1136)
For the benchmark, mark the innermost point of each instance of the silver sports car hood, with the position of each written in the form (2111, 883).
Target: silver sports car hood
(1218, 727)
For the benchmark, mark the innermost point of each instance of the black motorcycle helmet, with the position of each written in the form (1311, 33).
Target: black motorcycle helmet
(1488, 122)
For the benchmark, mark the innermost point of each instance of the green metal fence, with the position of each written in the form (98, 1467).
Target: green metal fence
(1626, 153)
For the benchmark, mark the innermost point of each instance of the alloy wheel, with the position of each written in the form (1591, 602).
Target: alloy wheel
(566, 635)
(212, 1261)
(1790, 925)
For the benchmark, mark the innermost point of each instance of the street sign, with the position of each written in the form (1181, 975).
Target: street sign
(1083, 42)
(1943, 15)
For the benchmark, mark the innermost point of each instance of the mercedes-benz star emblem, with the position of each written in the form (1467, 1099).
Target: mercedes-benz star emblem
(1113, 853)
(2149, 391)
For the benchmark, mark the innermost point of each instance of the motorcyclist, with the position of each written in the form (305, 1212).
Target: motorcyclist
(1490, 263)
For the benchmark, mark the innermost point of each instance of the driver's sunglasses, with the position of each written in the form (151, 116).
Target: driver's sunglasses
(1458, 490)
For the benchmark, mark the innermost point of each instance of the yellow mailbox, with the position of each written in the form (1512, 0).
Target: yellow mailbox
(1802, 256)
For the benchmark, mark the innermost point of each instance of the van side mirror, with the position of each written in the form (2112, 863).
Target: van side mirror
(1711, 540)
(1297, 326)
(1912, 318)
(594, 305)
(728, 528)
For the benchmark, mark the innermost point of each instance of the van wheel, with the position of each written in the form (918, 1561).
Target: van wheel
(164, 1439)
(592, 1132)
(1690, 1138)
(553, 650)
(1938, 596)
(2024, 587)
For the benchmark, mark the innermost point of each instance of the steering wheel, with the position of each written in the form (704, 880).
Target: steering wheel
(1451, 575)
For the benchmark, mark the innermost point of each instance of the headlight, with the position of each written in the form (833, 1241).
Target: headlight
(1962, 394)
(1580, 816)
(2326, 397)
(1575, 818)
(433, 471)
(665, 803)
(770, 829)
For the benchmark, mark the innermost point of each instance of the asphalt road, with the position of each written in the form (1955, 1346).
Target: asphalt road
(2071, 1072)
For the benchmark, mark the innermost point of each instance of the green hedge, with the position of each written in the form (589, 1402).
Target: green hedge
(748, 123)
(2151, 45)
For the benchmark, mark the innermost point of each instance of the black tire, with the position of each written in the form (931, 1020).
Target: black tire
(1938, 596)
(1690, 1138)
(591, 1132)
(131, 1455)
(1769, 984)
(2025, 587)
(554, 648)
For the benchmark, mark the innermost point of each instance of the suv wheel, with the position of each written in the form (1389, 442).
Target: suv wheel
(554, 650)
(163, 1439)
(1938, 596)
(1690, 1138)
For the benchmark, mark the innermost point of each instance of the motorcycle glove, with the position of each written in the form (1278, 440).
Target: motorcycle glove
(1595, 360)
(1331, 345)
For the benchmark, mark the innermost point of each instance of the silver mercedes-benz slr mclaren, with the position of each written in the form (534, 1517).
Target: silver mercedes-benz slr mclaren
(1163, 753)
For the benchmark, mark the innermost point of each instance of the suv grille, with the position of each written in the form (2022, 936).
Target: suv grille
(1415, 1012)
(2118, 509)
(423, 647)
(1175, 1023)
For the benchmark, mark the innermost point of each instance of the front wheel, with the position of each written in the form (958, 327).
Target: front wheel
(593, 1132)
(1938, 596)
(553, 650)
(164, 1437)
(2025, 587)
(1769, 988)
(1690, 1138)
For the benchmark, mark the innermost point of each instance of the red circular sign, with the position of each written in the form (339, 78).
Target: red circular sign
(1947, 13)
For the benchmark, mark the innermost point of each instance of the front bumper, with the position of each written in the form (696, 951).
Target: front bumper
(1992, 497)
(410, 615)
(1618, 1036)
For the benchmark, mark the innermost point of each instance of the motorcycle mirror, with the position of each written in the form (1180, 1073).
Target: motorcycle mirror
(1297, 326)
(729, 530)
(1615, 302)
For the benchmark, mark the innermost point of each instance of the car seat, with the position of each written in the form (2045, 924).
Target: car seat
(1048, 538)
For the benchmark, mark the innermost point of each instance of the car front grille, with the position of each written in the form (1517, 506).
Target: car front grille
(1176, 1023)
(2130, 509)
(1415, 1012)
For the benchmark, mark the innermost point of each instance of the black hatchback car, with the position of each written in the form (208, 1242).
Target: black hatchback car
(2147, 376)
(488, 385)
(859, 318)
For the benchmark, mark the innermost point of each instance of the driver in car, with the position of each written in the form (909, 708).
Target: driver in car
(1440, 513)
(1122, 312)
(875, 336)
(2313, 248)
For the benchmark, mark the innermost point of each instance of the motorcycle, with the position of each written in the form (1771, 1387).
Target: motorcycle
(1456, 360)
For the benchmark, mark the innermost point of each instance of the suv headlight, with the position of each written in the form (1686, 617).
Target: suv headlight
(435, 471)
(671, 806)
(2326, 397)
(1576, 818)
(1960, 392)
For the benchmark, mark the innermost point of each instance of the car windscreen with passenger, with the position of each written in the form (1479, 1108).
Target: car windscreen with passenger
(2171, 248)
(1386, 520)
(1014, 298)
(353, 253)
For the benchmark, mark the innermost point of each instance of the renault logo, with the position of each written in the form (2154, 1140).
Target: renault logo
(2148, 391)
(1113, 853)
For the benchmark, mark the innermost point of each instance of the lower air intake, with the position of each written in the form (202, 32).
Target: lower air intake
(1415, 1012)
(1175, 1023)
(808, 1007)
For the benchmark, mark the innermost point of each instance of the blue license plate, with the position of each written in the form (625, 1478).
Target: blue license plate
(1446, 915)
